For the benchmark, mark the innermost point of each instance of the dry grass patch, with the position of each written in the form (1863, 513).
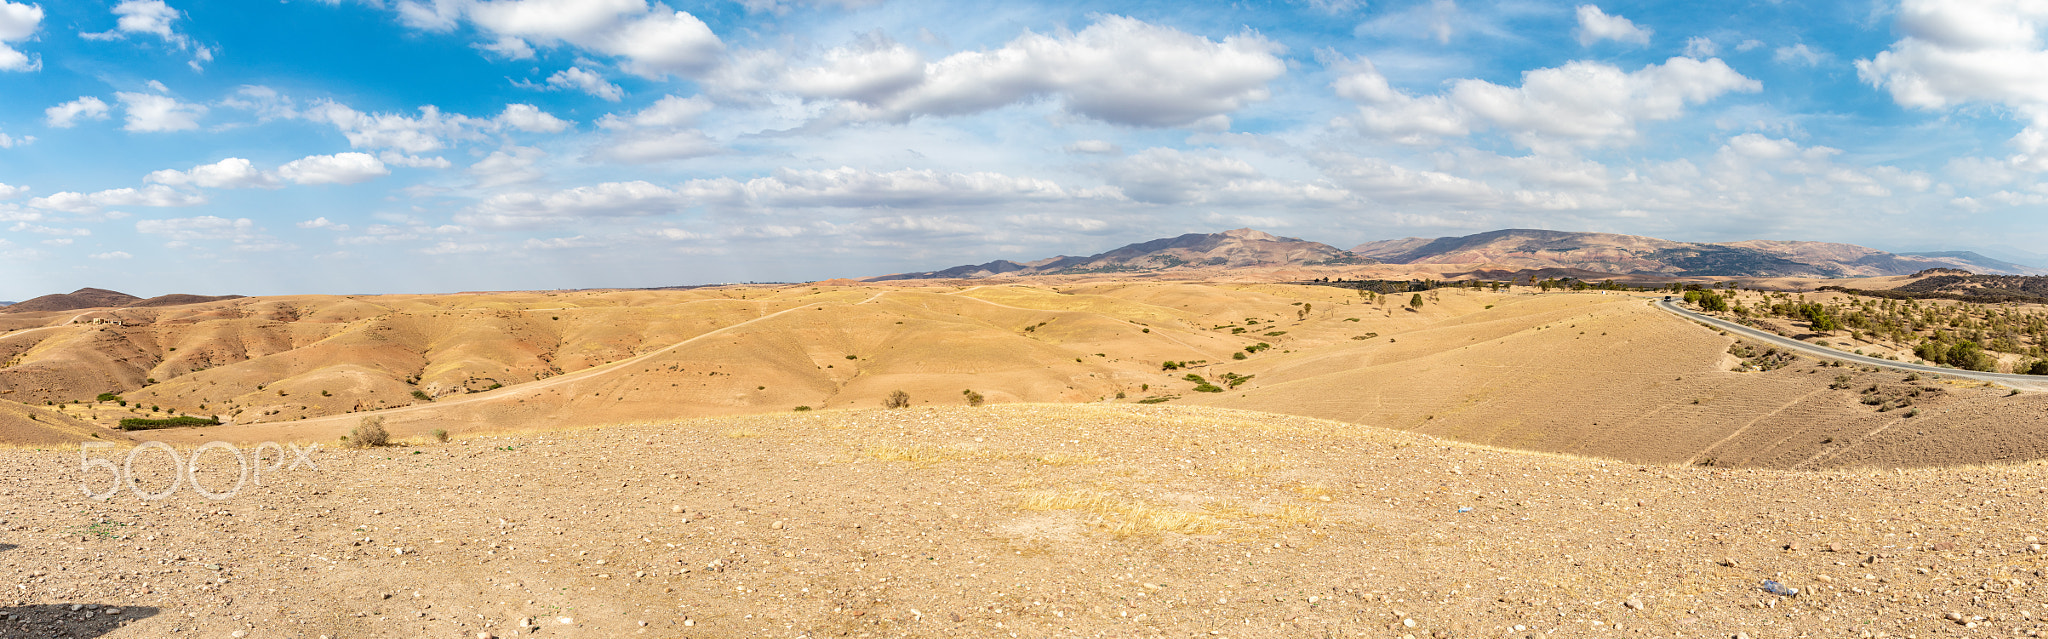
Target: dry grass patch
(925, 454)
(1126, 517)
(1068, 459)
(1316, 491)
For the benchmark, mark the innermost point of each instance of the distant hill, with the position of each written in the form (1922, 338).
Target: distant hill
(1241, 248)
(1981, 264)
(102, 298)
(181, 299)
(81, 298)
(1637, 255)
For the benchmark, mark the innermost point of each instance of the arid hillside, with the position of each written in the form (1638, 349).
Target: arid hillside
(1580, 373)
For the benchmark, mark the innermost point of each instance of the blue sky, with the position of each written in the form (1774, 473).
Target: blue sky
(371, 146)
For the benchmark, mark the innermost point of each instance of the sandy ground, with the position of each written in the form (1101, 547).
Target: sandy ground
(1012, 521)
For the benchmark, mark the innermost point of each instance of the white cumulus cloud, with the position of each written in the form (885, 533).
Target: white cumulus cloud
(230, 173)
(578, 79)
(1580, 104)
(149, 112)
(67, 115)
(18, 22)
(1119, 70)
(340, 168)
(152, 195)
(1958, 52)
(1596, 25)
(153, 17)
(649, 40)
(530, 118)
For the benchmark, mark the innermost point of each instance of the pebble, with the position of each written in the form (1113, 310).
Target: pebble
(776, 525)
(1633, 604)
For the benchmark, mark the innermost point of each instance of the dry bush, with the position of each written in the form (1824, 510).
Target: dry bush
(897, 399)
(369, 434)
(440, 435)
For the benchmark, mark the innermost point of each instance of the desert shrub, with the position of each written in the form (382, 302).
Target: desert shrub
(2039, 367)
(369, 433)
(973, 398)
(1206, 387)
(107, 397)
(1195, 378)
(1237, 355)
(174, 422)
(421, 395)
(1169, 365)
(440, 435)
(1156, 400)
(897, 399)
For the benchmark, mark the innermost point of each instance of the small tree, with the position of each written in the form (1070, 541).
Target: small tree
(897, 399)
(1416, 301)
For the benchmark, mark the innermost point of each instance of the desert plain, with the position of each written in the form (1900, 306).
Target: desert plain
(1077, 457)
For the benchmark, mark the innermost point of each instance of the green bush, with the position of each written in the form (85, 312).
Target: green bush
(174, 422)
(801, 409)
(107, 397)
(421, 395)
(1206, 387)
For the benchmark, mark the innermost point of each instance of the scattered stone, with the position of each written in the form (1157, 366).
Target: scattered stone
(1633, 604)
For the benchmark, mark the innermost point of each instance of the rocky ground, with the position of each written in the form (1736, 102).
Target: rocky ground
(1009, 521)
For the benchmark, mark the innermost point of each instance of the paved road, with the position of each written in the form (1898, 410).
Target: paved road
(2026, 382)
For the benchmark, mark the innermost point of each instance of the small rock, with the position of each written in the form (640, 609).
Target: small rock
(565, 620)
(1633, 604)
(1730, 562)
(776, 525)
(526, 622)
(239, 634)
(689, 622)
(484, 635)
(113, 611)
(1834, 547)
(1408, 623)
(1824, 579)
(675, 509)
(1742, 635)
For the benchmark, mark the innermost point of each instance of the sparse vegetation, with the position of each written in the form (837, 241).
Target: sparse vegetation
(440, 435)
(897, 399)
(973, 398)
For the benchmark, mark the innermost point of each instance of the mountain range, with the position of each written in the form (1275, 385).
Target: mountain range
(1508, 250)
(1241, 248)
